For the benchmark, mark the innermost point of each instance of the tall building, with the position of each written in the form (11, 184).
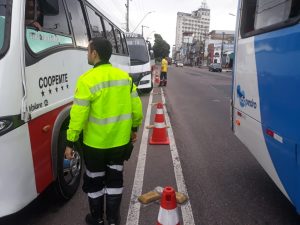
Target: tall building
(195, 24)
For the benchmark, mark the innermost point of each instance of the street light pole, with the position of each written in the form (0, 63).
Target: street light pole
(143, 30)
(142, 20)
(127, 16)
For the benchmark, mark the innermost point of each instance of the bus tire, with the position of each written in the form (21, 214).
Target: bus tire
(68, 179)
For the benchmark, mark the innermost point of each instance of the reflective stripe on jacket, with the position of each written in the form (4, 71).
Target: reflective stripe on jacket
(106, 107)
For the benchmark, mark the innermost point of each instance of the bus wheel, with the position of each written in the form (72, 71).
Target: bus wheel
(68, 171)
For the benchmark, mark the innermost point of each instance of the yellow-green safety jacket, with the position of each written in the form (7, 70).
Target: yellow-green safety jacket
(106, 107)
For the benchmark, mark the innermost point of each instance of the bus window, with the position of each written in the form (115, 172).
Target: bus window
(260, 16)
(110, 35)
(270, 12)
(95, 22)
(33, 16)
(46, 31)
(78, 23)
(2, 22)
(137, 50)
(119, 43)
(57, 23)
(124, 44)
(248, 12)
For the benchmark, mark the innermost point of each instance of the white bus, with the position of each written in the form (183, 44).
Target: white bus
(140, 66)
(266, 81)
(39, 67)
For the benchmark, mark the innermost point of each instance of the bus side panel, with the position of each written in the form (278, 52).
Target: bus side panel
(278, 69)
(50, 86)
(17, 183)
(250, 132)
(246, 102)
(41, 147)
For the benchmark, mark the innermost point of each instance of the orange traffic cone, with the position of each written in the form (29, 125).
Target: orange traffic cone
(159, 135)
(157, 80)
(168, 214)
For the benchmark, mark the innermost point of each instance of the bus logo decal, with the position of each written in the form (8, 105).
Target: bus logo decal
(244, 102)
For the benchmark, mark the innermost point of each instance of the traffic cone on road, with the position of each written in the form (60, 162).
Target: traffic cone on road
(168, 214)
(157, 80)
(155, 74)
(159, 135)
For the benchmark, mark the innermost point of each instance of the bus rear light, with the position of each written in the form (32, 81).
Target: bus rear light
(270, 133)
(238, 122)
(274, 135)
(239, 113)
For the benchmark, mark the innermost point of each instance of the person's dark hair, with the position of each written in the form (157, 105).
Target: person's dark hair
(103, 47)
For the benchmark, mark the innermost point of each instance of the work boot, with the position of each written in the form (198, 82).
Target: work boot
(113, 203)
(95, 217)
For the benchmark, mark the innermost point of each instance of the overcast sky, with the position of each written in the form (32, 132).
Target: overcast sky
(163, 19)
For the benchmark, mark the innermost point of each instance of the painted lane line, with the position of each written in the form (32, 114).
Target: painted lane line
(134, 206)
(187, 213)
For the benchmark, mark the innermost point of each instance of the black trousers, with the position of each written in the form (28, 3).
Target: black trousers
(104, 171)
(163, 76)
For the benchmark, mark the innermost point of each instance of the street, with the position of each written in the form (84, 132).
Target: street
(224, 182)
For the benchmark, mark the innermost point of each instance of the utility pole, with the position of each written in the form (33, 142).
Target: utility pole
(222, 46)
(127, 16)
(204, 39)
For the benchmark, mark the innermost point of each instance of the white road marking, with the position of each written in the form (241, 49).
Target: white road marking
(187, 213)
(134, 207)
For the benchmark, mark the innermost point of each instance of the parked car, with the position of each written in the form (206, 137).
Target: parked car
(215, 67)
(179, 64)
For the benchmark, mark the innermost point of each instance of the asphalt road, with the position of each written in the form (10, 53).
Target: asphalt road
(224, 182)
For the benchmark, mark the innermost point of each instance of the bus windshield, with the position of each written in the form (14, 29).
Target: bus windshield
(2, 22)
(138, 51)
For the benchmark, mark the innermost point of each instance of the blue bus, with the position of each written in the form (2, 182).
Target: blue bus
(265, 106)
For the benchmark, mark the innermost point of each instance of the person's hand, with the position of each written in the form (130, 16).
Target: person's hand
(133, 137)
(69, 153)
(37, 25)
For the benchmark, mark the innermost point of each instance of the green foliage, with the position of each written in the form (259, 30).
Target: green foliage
(161, 47)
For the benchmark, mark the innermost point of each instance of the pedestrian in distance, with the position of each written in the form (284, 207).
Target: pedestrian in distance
(163, 72)
(108, 110)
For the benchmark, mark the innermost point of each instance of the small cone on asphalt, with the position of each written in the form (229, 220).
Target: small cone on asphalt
(159, 135)
(168, 214)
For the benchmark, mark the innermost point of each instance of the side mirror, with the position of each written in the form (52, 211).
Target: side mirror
(49, 7)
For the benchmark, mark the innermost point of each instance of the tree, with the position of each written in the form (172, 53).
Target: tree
(161, 47)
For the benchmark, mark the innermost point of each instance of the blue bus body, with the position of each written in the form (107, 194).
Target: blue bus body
(266, 89)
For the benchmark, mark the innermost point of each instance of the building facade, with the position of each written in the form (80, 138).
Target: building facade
(195, 25)
(220, 47)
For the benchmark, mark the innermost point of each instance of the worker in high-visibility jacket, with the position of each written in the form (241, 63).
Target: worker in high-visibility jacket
(163, 72)
(109, 111)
